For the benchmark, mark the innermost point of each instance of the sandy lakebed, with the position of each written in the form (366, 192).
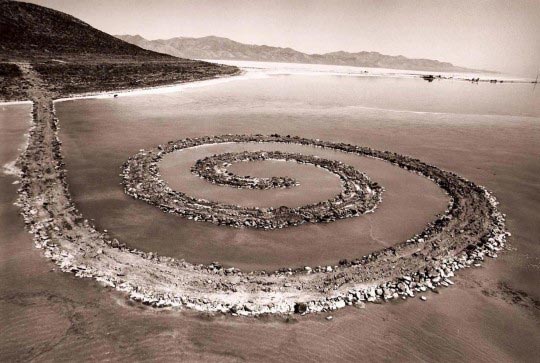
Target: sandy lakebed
(491, 313)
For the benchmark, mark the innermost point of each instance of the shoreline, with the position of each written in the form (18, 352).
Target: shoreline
(11, 168)
(13, 103)
(355, 71)
(404, 270)
(247, 74)
(251, 72)
(164, 89)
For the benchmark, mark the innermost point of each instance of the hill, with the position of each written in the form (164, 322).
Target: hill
(213, 47)
(29, 30)
(73, 57)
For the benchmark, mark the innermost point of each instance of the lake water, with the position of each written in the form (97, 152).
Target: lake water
(488, 133)
(335, 108)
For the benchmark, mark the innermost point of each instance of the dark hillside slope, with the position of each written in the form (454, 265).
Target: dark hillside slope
(73, 57)
(12, 84)
(33, 30)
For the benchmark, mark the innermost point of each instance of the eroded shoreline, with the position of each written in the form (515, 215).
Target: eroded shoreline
(471, 229)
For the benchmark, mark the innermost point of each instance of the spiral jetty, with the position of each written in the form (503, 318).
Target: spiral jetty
(470, 229)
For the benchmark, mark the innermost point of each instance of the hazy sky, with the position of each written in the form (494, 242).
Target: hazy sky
(501, 35)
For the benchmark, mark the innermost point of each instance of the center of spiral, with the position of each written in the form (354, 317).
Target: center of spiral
(141, 178)
(215, 170)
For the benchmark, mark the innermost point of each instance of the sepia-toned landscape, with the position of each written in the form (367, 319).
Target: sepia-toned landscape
(259, 203)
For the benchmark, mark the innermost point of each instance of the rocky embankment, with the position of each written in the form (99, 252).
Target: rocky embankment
(141, 180)
(470, 230)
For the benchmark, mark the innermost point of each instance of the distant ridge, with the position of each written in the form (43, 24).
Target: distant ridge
(213, 47)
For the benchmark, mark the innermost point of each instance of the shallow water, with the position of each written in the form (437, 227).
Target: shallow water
(315, 184)
(62, 318)
(326, 107)
(409, 203)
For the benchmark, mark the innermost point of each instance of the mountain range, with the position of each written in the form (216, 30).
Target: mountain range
(218, 48)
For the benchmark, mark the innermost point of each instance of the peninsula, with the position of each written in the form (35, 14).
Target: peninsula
(72, 57)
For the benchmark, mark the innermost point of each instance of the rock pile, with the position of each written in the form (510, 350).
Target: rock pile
(141, 180)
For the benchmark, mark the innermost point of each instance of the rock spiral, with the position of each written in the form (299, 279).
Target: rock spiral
(471, 228)
(141, 179)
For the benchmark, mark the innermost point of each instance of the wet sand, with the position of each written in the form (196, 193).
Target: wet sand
(476, 319)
